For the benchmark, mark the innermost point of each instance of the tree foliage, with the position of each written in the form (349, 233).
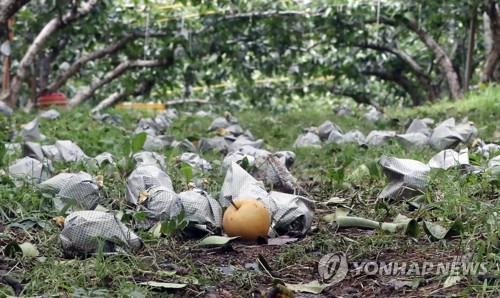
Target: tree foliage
(256, 52)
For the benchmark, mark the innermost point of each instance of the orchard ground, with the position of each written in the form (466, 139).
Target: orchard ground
(232, 270)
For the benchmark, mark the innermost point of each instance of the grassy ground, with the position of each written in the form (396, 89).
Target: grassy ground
(472, 200)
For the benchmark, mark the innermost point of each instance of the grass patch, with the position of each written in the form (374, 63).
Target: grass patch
(344, 171)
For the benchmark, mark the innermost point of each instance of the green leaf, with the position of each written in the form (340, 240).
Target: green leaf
(313, 287)
(187, 170)
(412, 228)
(126, 148)
(409, 16)
(138, 142)
(3, 152)
(12, 249)
(451, 281)
(456, 229)
(29, 250)
(164, 285)
(434, 230)
(334, 200)
(216, 241)
(156, 230)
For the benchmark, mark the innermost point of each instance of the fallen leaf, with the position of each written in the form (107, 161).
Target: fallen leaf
(400, 218)
(334, 200)
(434, 230)
(313, 287)
(398, 284)
(216, 241)
(29, 250)
(280, 240)
(451, 281)
(156, 230)
(164, 285)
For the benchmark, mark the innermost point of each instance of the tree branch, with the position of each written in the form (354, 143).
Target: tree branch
(359, 97)
(171, 103)
(110, 49)
(39, 42)
(10, 8)
(493, 56)
(399, 79)
(420, 73)
(118, 96)
(84, 93)
(441, 57)
(259, 14)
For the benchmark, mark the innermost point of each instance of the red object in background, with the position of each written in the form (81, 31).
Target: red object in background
(56, 99)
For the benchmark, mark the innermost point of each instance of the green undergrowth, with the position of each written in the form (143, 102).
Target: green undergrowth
(349, 172)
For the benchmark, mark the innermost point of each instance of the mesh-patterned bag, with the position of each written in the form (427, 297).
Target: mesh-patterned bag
(29, 170)
(494, 165)
(284, 208)
(418, 126)
(5, 110)
(449, 158)
(164, 118)
(33, 150)
(235, 130)
(195, 161)
(105, 157)
(157, 142)
(286, 157)
(373, 114)
(222, 122)
(445, 136)
(201, 208)
(307, 139)
(31, 131)
(244, 141)
(50, 114)
(236, 157)
(405, 177)
(146, 125)
(150, 158)
(211, 144)
(80, 189)
(51, 152)
(467, 130)
(255, 152)
(144, 177)
(70, 151)
(159, 203)
(292, 214)
(487, 149)
(84, 231)
(326, 128)
(275, 175)
(380, 137)
(413, 139)
(184, 145)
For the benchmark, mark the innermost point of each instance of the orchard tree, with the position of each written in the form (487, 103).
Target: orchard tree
(378, 53)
